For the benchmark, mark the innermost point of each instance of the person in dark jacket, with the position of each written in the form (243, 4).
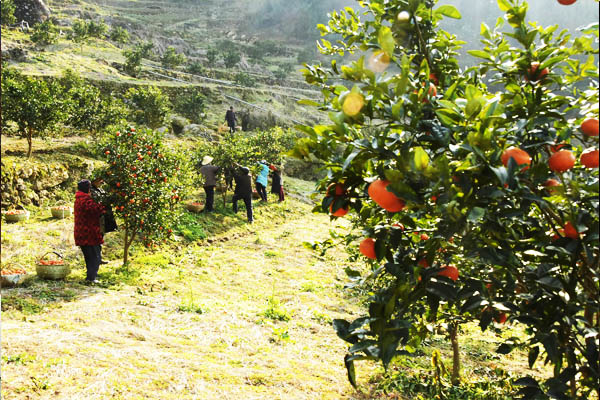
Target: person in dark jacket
(87, 232)
(230, 119)
(243, 191)
(107, 220)
(210, 181)
(276, 182)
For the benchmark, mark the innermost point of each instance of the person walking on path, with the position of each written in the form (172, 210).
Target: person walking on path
(277, 183)
(243, 191)
(210, 181)
(107, 220)
(230, 119)
(87, 231)
(261, 180)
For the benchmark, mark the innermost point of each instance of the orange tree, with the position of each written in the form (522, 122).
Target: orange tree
(472, 231)
(144, 181)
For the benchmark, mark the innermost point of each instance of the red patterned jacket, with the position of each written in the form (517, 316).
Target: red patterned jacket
(87, 220)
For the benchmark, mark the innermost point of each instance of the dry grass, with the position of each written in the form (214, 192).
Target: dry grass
(194, 326)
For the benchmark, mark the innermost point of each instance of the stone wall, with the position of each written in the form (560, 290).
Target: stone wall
(28, 182)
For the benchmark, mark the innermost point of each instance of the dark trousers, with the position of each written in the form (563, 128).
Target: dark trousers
(247, 200)
(210, 198)
(231, 127)
(281, 196)
(92, 257)
(262, 191)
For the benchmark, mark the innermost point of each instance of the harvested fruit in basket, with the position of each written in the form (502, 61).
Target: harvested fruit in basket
(13, 271)
(16, 212)
(51, 262)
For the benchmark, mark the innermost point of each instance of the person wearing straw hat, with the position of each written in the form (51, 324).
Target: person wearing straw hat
(87, 233)
(209, 172)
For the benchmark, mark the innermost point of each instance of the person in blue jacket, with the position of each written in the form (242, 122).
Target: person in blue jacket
(261, 180)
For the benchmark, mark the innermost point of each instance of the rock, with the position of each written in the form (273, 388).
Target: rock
(31, 11)
(178, 124)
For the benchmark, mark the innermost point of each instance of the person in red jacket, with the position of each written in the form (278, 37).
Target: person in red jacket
(87, 232)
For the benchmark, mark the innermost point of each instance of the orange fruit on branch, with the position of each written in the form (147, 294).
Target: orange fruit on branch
(340, 212)
(561, 161)
(449, 271)
(589, 127)
(339, 189)
(385, 199)
(367, 248)
(520, 156)
(534, 73)
(589, 158)
(570, 231)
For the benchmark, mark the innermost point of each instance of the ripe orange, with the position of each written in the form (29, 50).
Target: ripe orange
(339, 189)
(434, 78)
(566, 2)
(449, 271)
(570, 231)
(589, 127)
(340, 212)
(424, 236)
(534, 74)
(367, 248)
(589, 158)
(520, 156)
(550, 184)
(501, 318)
(561, 161)
(384, 198)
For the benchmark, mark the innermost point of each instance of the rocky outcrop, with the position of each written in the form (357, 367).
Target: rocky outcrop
(32, 11)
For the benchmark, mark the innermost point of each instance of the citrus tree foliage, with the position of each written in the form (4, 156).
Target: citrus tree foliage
(31, 103)
(144, 180)
(44, 33)
(190, 104)
(85, 106)
(119, 35)
(473, 235)
(134, 56)
(172, 59)
(148, 106)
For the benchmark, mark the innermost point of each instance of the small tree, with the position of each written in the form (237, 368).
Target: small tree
(195, 68)
(31, 103)
(97, 29)
(133, 57)
(211, 55)
(119, 35)
(231, 58)
(145, 185)
(244, 79)
(44, 33)
(190, 104)
(148, 106)
(172, 59)
(7, 13)
(79, 32)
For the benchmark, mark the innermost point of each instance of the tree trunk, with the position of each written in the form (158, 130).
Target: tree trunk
(29, 141)
(453, 328)
(128, 241)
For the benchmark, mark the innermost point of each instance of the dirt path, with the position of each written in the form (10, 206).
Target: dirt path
(248, 318)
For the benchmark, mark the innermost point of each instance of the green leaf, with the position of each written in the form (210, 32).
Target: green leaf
(476, 214)
(448, 117)
(473, 108)
(533, 355)
(386, 41)
(504, 5)
(480, 54)
(421, 158)
(351, 371)
(448, 11)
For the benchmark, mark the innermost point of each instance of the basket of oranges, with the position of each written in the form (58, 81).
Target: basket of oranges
(52, 268)
(16, 215)
(61, 212)
(11, 277)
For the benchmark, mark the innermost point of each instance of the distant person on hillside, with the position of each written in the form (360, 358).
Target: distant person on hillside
(243, 190)
(210, 181)
(87, 231)
(230, 119)
(276, 182)
(107, 220)
(261, 180)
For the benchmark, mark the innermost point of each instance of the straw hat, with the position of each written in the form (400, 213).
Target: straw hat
(206, 160)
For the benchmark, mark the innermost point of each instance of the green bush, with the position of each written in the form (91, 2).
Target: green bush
(44, 33)
(119, 35)
(190, 104)
(7, 13)
(172, 59)
(147, 106)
